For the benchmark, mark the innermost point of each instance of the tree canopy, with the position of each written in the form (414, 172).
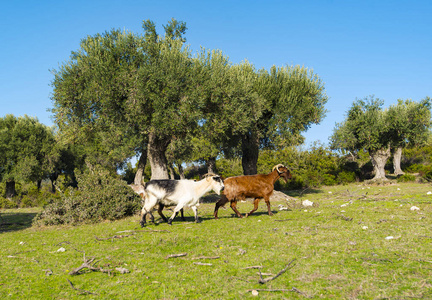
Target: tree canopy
(26, 149)
(370, 128)
(124, 94)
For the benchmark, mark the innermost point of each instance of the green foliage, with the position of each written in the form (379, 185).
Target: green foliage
(7, 203)
(99, 196)
(410, 122)
(365, 127)
(229, 167)
(25, 149)
(406, 178)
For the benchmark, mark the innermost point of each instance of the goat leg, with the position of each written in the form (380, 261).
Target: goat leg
(172, 218)
(195, 210)
(234, 208)
(160, 208)
(222, 201)
(143, 217)
(176, 210)
(267, 201)
(256, 201)
(182, 215)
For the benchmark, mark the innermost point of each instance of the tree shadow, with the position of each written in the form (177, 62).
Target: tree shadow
(15, 221)
(303, 192)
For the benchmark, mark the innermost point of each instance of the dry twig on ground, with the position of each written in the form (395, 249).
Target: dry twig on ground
(262, 281)
(79, 290)
(175, 255)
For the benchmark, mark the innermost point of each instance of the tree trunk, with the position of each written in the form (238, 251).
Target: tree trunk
(211, 165)
(39, 184)
(171, 172)
(397, 156)
(181, 172)
(53, 177)
(10, 189)
(140, 168)
(379, 159)
(157, 158)
(250, 149)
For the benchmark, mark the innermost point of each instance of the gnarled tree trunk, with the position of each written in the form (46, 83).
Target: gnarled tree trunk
(140, 168)
(181, 172)
(171, 172)
(379, 159)
(397, 156)
(250, 150)
(211, 165)
(156, 155)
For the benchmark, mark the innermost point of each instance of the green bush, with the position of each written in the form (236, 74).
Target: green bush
(345, 177)
(100, 196)
(6, 203)
(406, 178)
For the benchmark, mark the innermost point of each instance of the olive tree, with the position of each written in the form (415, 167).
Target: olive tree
(292, 99)
(409, 125)
(123, 94)
(25, 151)
(366, 127)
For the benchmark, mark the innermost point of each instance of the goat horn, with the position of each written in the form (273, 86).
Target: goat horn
(209, 175)
(277, 167)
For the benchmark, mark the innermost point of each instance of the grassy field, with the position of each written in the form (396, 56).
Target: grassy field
(356, 242)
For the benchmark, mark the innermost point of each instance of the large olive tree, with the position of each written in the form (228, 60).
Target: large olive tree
(365, 128)
(292, 99)
(122, 93)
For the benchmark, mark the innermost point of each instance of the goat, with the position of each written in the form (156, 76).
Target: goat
(180, 193)
(255, 186)
(139, 189)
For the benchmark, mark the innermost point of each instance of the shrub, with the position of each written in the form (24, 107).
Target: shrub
(6, 203)
(100, 196)
(345, 177)
(406, 178)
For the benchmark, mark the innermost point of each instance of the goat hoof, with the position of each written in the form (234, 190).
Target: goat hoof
(198, 221)
(142, 224)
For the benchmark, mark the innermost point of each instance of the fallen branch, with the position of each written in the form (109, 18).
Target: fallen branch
(253, 267)
(175, 255)
(113, 237)
(79, 290)
(143, 231)
(202, 264)
(280, 290)
(206, 257)
(48, 272)
(262, 281)
(88, 264)
(343, 217)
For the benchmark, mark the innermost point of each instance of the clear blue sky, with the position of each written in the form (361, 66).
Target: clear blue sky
(358, 48)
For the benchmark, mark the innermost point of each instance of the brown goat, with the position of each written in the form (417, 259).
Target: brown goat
(251, 186)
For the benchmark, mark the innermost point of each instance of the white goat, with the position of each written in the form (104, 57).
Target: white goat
(180, 193)
(139, 189)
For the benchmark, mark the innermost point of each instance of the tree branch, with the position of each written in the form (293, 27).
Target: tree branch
(79, 290)
(262, 281)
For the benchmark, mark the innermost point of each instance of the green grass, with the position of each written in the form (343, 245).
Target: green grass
(335, 257)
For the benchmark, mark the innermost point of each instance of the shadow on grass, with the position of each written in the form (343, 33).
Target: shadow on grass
(301, 193)
(14, 221)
